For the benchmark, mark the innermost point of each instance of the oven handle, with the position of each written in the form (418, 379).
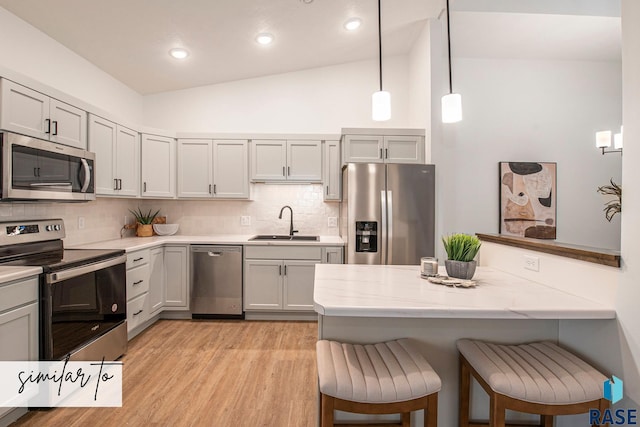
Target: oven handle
(59, 276)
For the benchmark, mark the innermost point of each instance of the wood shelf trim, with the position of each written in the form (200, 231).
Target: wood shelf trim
(584, 253)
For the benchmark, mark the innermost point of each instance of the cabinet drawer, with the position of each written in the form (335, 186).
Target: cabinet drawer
(137, 258)
(137, 311)
(137, 281)
(283, 252)
(18, 293)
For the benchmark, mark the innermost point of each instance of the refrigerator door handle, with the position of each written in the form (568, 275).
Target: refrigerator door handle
(389, 228)
(382, 233)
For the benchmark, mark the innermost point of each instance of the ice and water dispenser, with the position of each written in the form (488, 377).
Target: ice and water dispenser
(366, 236)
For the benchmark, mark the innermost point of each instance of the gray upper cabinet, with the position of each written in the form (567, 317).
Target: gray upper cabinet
(387, 148)
(213, 169)
(332, 169)
(28, 112)
(286, 160)
(117, 150)
(158, 169)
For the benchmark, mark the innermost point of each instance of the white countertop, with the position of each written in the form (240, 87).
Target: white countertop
(130, 244)
(10, 273)
(399, 291)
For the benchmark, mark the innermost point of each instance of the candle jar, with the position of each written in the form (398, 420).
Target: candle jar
(428, 266)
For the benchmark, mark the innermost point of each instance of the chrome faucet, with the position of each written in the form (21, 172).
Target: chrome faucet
(291, 230)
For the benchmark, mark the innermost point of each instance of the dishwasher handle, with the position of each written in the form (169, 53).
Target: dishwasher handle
(214, 250)
(214, 254)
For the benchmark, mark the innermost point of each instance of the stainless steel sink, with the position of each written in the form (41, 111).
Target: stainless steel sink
(284, 237)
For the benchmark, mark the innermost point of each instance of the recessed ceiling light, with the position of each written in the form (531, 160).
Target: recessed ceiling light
(352, 24)
(264, 38)
(178, 53)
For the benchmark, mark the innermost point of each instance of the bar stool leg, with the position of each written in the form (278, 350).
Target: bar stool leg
(464, 393)
(326, 417)
(405, 417)
(497, 411)
(546, 420)
(431, 412)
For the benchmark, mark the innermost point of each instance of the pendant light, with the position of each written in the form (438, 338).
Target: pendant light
(381, 100)
(452, 102)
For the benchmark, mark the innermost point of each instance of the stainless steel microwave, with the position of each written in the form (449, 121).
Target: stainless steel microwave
(35, 169)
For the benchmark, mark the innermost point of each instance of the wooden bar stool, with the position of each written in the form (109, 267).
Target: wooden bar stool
(384, 378)
(537, 378)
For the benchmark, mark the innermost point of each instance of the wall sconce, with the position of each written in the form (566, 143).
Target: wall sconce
(603, 141)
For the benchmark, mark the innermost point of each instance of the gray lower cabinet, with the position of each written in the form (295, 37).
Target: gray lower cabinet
(176, 294)
(18, 324)
(156, 280)
(280, 278)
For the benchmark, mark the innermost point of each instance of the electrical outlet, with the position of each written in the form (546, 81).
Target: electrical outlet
(332, 221)
(80, 222)
(245, 220)
(532, 263)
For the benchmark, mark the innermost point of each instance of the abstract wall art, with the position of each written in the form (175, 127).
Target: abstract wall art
(528, 199)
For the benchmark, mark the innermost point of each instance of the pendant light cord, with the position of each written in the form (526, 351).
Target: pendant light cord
(380, 44)
(448, 49)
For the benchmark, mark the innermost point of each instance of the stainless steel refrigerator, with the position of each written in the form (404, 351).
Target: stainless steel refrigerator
(387, 215)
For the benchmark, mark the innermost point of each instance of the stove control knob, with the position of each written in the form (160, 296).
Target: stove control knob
(56, 227)
(48, 228)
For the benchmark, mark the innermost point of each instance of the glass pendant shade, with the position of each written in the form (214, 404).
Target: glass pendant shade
(603, 139)
(381, 106)
(451, 108)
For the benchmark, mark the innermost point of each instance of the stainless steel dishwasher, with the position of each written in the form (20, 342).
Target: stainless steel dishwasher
(216, 282)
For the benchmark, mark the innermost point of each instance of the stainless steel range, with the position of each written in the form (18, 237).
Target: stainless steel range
(83, 299)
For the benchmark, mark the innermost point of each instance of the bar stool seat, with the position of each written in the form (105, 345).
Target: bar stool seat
(540, 378)
(382, 378)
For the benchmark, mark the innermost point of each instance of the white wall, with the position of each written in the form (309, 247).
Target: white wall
(319, 100)
(531, 110)
(29, 52)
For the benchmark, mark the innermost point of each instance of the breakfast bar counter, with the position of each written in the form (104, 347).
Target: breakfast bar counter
(377, 303)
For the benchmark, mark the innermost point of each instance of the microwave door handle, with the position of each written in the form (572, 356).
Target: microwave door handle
(59, 276)
(87, 176)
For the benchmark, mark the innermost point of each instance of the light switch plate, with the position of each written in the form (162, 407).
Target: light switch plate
(80, 222)
(332, 221)
(245, 220)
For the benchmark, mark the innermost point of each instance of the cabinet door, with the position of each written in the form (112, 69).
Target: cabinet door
(363, 149)
(304, 161)
(194, 168)
(298, 285)
(102, 141)
(332, 255)
(127, 161)
(268, 160)
(332, 171)
(230, 169)
(403, 149)
(156, 280)
(176, 295)
(263, 285)
(68, 124)
(24, 110)
(158, 155)
(19, 336)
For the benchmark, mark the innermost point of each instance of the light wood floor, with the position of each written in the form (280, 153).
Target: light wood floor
(209, 373)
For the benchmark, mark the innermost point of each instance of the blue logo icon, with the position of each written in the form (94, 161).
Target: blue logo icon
(613, 389)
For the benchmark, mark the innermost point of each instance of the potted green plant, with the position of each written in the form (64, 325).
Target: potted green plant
(144, 222)
(461, 250)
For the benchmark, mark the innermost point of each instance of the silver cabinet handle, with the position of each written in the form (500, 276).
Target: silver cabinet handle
(327, 190)
(283, 173)
(288, 170)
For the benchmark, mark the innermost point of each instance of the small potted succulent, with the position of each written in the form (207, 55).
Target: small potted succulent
(461, 250)
(144, 222)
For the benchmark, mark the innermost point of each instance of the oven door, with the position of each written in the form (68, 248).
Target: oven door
(80, 304)
(35, 169)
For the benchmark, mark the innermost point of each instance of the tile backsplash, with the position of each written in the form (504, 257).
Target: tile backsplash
(104, 217)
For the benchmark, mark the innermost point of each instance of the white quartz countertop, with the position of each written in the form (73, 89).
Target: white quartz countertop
(10, 273)
(131, 244)
(399, 291)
